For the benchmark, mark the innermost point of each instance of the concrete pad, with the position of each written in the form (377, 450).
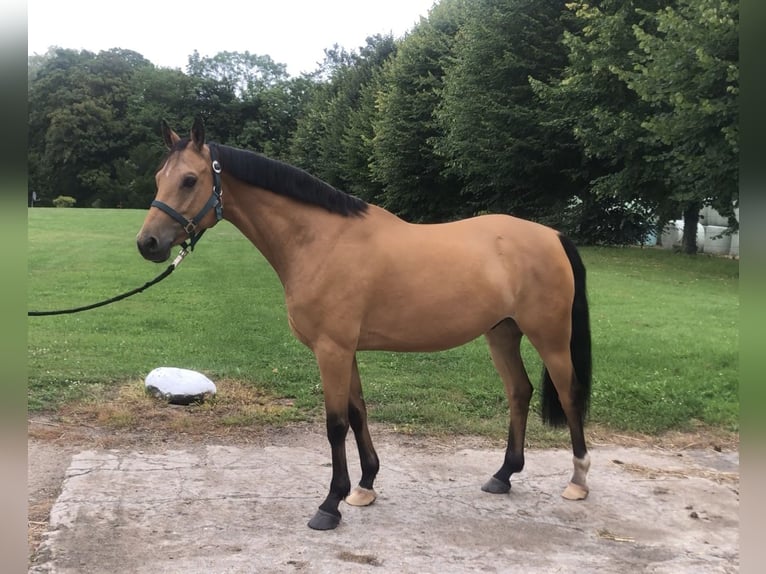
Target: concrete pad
(244, 509)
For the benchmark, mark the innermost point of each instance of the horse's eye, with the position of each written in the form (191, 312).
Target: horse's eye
(189, 181)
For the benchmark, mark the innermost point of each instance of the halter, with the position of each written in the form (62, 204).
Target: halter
(215, 201)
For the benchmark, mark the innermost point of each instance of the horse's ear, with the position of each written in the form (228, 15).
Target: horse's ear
(168, 135)
(198, 133)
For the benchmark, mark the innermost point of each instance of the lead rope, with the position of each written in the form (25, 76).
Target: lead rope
(190, 226)
(172, 267)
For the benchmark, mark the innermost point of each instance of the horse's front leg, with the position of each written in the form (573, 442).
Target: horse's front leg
(364, 494)
(335, 371)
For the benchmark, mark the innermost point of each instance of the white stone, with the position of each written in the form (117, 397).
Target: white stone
(179, 386)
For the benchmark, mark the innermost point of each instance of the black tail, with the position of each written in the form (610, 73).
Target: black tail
(579, 346)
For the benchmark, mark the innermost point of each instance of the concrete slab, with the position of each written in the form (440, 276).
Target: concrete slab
(243, 509)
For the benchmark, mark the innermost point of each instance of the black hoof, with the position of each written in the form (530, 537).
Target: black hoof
(323, 520)
(496, 486)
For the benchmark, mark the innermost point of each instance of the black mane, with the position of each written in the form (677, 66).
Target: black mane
(281, 178)
(288, 180)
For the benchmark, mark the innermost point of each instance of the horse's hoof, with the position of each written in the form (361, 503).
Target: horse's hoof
(361, 496)
(575, 492)
(324, 520)
(496, 486)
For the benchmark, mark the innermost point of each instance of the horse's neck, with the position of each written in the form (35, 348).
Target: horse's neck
(285, 231)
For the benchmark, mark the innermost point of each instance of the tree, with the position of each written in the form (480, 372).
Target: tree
(157, 94)
(242, 73)
(604, 115)
(643, 83)
(500, 140)
(414, 181)
(268, 118)
(332, 138)
(94, 119)
(79, 124)
(363, 84)
(687, 71)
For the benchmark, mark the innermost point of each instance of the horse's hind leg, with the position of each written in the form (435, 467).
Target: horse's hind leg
(363, 494)
(558, 363)
(505, 347)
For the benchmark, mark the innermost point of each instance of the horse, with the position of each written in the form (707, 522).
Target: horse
(357, 277)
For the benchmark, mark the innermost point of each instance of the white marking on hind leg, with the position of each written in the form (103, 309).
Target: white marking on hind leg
(577, 489)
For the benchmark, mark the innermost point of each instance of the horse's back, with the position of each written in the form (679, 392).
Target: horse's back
(486, 245)
(437, 286)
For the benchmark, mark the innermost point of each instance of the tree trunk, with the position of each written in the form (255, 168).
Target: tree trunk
(691, 219)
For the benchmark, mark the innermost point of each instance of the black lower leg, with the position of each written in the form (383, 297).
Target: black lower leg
(500, 483)
(368, 458)
(577, 434)
(505, 346)
(328, 516)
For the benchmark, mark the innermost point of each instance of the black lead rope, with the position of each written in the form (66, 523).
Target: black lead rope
(172, 267)
(189, 225)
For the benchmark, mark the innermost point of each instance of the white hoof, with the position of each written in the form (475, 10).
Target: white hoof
(361, 497)
(575, 492)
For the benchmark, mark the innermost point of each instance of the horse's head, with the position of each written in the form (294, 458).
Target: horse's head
(184, 205)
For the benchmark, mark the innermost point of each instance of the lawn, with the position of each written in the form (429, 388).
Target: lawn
(665, 333)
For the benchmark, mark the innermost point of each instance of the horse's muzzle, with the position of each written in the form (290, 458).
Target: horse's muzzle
(152, 248)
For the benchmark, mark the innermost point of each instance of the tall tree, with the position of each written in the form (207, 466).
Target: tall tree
(268, 118)
(157, 94)
(332, 138)
(356, 141)
(635, 83)
(404, 161)
(500, 140)
(250, 99)
(79, 124)
(687, 71)
(241, 72)
(605, 116)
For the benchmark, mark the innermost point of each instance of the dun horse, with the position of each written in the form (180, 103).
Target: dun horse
(356, 277)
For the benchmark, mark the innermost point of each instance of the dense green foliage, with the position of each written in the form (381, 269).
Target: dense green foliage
(500, 140)
(665, 336)
(602, 118)
(651, 93)
(414, 180)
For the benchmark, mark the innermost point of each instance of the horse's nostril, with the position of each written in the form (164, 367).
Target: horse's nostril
(153, 248)
(147, 245)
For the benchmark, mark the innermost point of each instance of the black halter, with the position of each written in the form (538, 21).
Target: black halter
(215, 201)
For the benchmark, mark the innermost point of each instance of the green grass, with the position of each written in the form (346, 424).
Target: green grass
(665, 330)
(665, 333)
